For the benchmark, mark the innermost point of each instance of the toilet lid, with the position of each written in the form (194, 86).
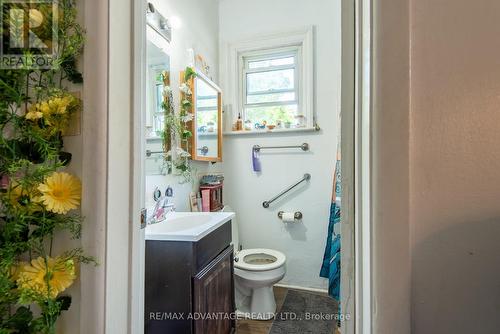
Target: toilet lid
(259, 259)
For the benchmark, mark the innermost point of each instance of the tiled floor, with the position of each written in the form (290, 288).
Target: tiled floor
(258, 326)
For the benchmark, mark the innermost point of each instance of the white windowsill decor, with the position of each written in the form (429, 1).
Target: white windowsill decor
(315, 128)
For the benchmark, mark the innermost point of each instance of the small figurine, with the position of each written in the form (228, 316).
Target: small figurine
(261, 126)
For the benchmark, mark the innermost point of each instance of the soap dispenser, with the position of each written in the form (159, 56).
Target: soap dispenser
(169, 199)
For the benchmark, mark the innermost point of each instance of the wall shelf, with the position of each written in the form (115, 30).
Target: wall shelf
(271, 132)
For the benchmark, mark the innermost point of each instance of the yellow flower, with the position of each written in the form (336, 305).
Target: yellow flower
(48, 109)
(20, 196)
(47, 277)
(61, 192)
(59, 105)
(34, 115)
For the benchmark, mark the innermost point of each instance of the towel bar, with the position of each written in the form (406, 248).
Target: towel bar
(306, 178)
(303, 147)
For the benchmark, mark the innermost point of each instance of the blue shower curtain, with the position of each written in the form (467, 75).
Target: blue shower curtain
(331, 260)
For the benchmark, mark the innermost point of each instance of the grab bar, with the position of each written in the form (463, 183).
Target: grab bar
(150, 153)
(303, 147)
(266, 204)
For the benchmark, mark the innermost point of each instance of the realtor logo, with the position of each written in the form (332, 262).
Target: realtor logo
(29, 34)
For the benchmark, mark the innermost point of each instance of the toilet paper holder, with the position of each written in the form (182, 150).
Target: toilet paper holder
(298, 215)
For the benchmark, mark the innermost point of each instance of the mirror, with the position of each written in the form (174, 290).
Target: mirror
(206, 127)
(157, 76)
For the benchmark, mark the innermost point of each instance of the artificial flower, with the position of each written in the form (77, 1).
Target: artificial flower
(51, 108)
(185, 89)
(23, 197)
(187, 118)
(61, 192)
(167, 90)
(46, 276)
(34, 115)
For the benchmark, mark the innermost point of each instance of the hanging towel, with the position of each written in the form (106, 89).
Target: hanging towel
(331, 260)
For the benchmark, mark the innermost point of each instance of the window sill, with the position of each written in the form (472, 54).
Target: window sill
(271, 132)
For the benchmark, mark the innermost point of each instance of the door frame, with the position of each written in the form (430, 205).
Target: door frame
(137, 232)
(356, 230)
(124, 284)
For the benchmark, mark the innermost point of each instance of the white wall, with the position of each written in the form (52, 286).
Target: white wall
(455, 164)
(303, 244)
(199, 29)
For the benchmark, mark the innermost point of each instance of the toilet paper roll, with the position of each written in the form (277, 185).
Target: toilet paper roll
(288, 217)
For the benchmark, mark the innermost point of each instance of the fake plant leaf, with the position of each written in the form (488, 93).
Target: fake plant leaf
(69, 67)
(187, 134)
(65, 302)
(65, 158)
(30, 151)
(189, 74)
(20, 321)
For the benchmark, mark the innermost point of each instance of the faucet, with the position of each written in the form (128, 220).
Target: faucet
(168, 204)
(164, 205)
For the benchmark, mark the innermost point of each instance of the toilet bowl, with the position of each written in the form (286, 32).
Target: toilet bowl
(255, 273)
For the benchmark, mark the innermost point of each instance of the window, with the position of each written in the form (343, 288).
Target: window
(157, 110)
(271, 87)
(270, 79)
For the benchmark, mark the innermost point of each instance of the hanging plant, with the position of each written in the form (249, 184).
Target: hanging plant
(176, 135)
(37, 198)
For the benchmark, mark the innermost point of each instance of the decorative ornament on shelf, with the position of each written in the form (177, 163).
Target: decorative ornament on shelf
(38, 199)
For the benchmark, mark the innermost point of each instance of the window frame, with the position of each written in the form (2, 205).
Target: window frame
(154, 111)
(264, 45)
(269, 54)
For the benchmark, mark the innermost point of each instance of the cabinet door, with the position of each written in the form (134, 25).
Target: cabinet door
(214, 296)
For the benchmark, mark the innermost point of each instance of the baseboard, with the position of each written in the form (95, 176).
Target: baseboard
(294, 287)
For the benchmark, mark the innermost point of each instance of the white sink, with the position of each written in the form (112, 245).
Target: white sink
(187, 226)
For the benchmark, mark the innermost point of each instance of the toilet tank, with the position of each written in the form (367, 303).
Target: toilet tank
(235, 231)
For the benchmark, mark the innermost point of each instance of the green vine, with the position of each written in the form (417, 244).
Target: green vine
(37, 198)
(177, 135)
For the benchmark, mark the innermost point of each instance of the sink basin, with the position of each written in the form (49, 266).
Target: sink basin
(187, 226)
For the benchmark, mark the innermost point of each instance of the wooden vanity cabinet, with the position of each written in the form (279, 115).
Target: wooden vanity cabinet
(190, 286)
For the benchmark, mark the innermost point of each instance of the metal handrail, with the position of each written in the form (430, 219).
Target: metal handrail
(303, 147)
(306, 178)
(150, 153)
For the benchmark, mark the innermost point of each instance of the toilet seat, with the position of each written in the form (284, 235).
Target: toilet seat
(259, 259)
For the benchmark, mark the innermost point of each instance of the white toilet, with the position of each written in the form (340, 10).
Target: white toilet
(255, 273)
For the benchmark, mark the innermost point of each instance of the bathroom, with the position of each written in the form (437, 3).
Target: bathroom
(281, 136)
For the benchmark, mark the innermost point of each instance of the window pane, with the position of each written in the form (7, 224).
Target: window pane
(271, 115)
(272, 97)
(271, 62)
(206, 119)
(159, 97)
(206, 106)
(206, 102)
(270, 81)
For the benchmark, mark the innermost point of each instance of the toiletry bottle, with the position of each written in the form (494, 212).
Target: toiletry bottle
(199, 202)
(239, 123)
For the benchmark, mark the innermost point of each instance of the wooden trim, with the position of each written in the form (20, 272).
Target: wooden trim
(192, 125)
